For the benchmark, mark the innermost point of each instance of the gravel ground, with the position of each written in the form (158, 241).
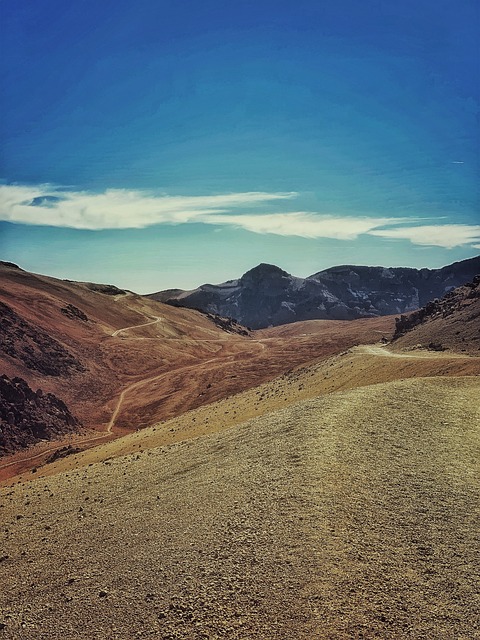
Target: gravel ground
(350, 516)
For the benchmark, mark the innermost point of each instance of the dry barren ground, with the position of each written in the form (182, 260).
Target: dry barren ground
(356, 367)
(352, 515)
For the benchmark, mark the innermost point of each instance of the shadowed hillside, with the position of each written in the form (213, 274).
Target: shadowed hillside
(27, 416)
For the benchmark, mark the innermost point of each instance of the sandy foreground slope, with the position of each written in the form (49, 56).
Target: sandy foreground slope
(348, 515)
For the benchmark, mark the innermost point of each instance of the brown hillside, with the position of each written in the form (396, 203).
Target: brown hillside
(138, 361)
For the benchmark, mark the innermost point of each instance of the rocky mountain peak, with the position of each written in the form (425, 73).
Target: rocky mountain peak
(263, 271)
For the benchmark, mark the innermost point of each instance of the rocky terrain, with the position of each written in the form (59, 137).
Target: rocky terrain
(268, 296)
(33, 347)
(28, 416)
(350, 515)
(229, 325)
(452, 322)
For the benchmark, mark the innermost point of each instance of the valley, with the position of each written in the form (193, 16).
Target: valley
(312, 480)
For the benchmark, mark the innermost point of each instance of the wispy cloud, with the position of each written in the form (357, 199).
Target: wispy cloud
(128, 209)
(438, 235)
(117, 208)
(303, 224)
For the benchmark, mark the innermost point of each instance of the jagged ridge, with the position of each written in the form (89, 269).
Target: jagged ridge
(450, 322)
(268, 295)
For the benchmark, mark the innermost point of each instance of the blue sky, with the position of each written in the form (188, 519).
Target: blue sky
(160, 144)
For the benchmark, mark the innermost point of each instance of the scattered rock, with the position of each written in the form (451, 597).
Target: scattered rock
(62, 453)
(23, 341)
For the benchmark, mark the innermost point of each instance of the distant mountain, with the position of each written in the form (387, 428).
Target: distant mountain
(268, 296)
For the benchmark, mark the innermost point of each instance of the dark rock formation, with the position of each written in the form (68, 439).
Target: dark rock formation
(267, 295)
(73, 312)
(452, 303)
(28, 416)
(62, 453)
(107, 289)
(228, 324)
(32, 346)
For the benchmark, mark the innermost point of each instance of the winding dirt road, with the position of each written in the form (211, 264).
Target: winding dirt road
(376, 350)
(108, 432)
(136, 326)
(136, 385)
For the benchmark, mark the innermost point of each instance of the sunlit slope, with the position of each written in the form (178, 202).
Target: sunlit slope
(346, 516)
(356, 368)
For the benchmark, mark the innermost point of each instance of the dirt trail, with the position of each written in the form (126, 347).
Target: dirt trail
(345, 517)
(190, 381)
(101, 436)
(44, 452)
(377, 350)
(136, 326)
(220, 358)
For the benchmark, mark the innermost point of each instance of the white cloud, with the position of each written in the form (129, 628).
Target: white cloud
(437, 235)
(303, 224)
(116, 208)
(128, 209)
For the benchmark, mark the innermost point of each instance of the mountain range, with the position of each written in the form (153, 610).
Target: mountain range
(269, 296)
(87, 358)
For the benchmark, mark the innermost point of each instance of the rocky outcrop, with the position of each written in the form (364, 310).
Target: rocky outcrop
(74, 313)
(106, 289)
(449, 322)
(229, 325)
(33, 347)
(28, 416)
(267, 295)
(63, 452)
